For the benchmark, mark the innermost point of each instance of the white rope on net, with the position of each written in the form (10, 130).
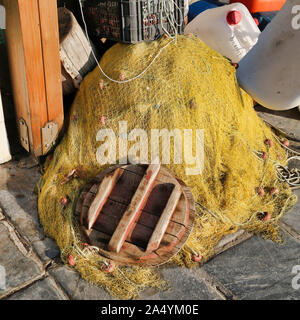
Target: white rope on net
(168, 11)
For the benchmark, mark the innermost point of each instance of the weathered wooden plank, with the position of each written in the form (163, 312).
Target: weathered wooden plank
(26, 65)
(126, 187)
(75, 51)
(52, 67)
(164, 220)
(168, 242)
(175, 229)
(134, 252)
(97, 236)
(140, 235)
(85, 204)
(181, 215)
(94, 189)
(102, 195)
(136, 169)
(113, 208)
(148, 220)
(158, 198)
(139, 199)
(106, 224)
(130, 254)
(113, 211)
(32, 50)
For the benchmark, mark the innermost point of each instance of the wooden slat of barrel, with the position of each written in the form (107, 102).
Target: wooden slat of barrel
(79, 207)
(109, 220)
(130, 254)
(138, 170)
(156, 201)
(140, 235)
(102, 195)
(79, 203)
(180, 215)
(86, 201)
(138, 200)
(126, 187)
(75, 50)
(164, 220)
(167, 243)
(164, 175)
(163, 180)
(94, 189)
(158, 198)
(113, 211)
(175, 229)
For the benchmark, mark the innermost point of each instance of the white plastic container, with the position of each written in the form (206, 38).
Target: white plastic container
(4, 146)
(228, 29)
(270, 72)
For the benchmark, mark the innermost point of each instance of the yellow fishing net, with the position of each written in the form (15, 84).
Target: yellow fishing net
(188, 86)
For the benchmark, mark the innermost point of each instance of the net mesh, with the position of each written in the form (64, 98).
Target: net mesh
(189, 86)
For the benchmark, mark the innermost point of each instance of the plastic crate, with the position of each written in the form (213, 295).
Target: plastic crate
(132, 20)
(261, 5)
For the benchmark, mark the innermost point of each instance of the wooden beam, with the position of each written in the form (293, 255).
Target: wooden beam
(131, 214)
(102, 195)
(164, 219)
(33, 50)
(51, 60)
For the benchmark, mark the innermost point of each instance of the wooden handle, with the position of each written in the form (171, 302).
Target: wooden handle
(131, 214)
(164, 219)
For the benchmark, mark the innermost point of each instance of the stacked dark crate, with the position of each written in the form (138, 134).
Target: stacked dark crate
(132, 20)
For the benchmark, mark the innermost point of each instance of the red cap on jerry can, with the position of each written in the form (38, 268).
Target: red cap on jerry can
(233, 17)
(256, 21)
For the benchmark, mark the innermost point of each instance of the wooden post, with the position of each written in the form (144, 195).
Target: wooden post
(33, 49)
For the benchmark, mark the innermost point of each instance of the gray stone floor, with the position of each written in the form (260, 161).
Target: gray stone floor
(245, 268)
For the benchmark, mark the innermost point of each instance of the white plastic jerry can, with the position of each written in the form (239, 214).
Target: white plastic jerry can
(270, 72)
(228, 29)
(4, 145)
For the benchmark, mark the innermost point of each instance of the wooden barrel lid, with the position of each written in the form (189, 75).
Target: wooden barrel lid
(136, 214)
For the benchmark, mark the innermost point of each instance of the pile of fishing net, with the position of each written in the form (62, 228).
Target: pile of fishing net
(187, 86)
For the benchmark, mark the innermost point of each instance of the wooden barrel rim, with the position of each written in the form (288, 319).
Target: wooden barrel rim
(66, 20)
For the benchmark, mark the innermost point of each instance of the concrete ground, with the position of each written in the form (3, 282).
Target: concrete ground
(246, 267)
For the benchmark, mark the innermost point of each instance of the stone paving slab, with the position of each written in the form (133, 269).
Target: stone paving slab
(185, 284)
(76, 287)
(46, 249)
(21, 267)
(258, 269)
(22, 220)
(18, 199)
(287, 121)
(45, 289)
(292, 219)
